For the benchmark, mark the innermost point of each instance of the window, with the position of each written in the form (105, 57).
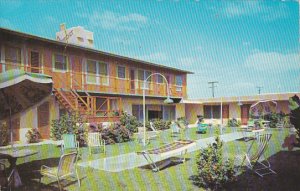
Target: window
(97, 72)
(80, 39)
(137, 111)
(103, 73)
(143, 75)
(12, 57)
(60, 62)
(160, 79)
(212, 111)
(178, 81)
(92, 71)
(90, 41)
(121, 72)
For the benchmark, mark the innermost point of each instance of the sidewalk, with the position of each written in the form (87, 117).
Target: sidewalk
(133, 160)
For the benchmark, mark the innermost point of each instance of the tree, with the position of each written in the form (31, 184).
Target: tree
(294, 105)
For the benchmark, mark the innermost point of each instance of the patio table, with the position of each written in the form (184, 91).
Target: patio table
(12, 156)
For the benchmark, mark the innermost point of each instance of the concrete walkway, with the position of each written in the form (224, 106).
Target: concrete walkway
(133, 160)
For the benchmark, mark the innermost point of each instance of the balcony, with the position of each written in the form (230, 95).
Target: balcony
(103, 84)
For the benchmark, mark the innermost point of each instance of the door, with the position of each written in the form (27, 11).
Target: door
(225, 113)
(35, 61)
(132, 81)
(43, 120)
(245, 114)
(15, 125)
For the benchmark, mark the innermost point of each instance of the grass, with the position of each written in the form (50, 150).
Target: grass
(176, 177)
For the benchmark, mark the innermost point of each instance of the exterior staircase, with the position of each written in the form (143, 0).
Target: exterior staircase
(84, 105)
(72, 101)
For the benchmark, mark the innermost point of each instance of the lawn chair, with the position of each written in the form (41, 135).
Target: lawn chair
(66, 168)
(149, 135)
(174, 128)
(95, 140)
(6, 177)
(154, 130)
(69, 143)
(253, 159)
(194, 125)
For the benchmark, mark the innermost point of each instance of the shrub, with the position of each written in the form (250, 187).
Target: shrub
(233, 123)
(213, 170)
(116, 134)
(130, 122)
(33, 136)
(158, 124)
(4, 134)
(66, 124)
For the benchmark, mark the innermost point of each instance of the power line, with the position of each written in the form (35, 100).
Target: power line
(213, 87)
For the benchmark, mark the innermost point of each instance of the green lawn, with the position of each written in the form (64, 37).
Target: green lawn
(176, 177)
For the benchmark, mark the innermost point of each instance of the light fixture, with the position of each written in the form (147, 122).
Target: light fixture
(168, 100)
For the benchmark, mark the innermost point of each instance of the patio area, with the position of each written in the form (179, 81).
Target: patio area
(122, 169)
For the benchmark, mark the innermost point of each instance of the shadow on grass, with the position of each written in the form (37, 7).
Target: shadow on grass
(284, 163)
(30, 175)
(166, 163)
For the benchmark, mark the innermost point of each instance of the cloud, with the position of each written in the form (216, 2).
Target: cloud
(114, 21)
(273, 61)
(250, 8)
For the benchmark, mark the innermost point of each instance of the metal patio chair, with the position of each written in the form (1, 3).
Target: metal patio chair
(95, 140)
(69, 143)
(66, 168)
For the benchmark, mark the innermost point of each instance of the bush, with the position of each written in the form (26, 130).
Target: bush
(4, 134)
(213, 170)
(33, 136)
(66, 124)
(130, 122)
(158, 124)
(233, 123)
(116, 134)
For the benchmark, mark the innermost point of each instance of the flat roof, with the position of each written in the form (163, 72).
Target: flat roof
(243, 99)
(46, 40)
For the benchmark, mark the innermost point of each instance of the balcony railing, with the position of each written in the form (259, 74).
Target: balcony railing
(81, 81)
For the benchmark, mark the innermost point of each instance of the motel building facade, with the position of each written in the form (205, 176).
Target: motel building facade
(100, 85)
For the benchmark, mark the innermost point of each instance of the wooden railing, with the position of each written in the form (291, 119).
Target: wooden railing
(105, 84)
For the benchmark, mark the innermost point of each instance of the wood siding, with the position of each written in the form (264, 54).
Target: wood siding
(75, 77)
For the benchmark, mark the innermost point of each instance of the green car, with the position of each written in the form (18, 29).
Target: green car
(202, 128)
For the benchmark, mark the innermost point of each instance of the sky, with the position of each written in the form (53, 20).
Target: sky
(241, 44)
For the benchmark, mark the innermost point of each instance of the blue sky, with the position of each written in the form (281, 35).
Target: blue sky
(240, 44)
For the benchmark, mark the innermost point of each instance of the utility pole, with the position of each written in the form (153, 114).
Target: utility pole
(259, 88)
(213, 87)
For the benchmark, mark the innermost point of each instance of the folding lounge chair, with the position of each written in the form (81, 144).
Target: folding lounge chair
(66, 168)
(254, 159)
(95, 140)
(69, 143)
(169, 150)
